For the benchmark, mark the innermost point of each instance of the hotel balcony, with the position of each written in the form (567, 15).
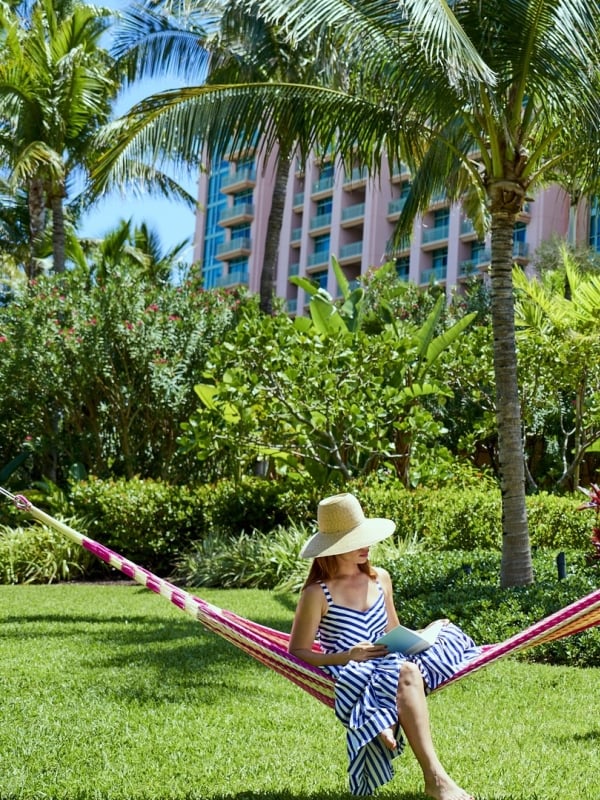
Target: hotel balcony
(400, 172)
(319, 223)
(433, 275)
(395, 250)
(474, 265)
(350, 253)
(395, 208)
(235, 215)
(296, 237)
(244, 178)
(525, 213)
(238, 278)
(433, 237)
(521, 251)
(318, 259)
(234, 248)
(294, 269)
(298, 201)
(467, 231)
(322, 188)
(356, 179)
(438, 200)
(353, 215)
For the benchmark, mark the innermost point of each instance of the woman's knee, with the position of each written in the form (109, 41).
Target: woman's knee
(410, 675)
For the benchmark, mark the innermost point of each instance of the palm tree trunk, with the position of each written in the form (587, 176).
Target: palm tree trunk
(37, 223)
(58, 232)
(268, 274)
(516, 568)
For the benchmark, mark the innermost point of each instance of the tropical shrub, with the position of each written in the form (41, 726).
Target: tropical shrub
(147, 521)
(463, 586)
(98, 377)
(39, 554)
(322, 400)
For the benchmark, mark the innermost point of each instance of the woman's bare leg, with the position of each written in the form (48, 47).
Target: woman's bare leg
(414, 718)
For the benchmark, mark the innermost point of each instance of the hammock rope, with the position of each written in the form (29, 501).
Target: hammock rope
(269, 646)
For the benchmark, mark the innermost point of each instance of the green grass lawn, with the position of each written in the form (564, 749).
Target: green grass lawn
(111, 693)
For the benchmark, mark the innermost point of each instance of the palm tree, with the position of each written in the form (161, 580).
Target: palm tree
(223, 43)
(55, 90)
(131, 249)
(483, 100)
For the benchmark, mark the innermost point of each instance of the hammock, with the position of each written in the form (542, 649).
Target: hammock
(269, 646)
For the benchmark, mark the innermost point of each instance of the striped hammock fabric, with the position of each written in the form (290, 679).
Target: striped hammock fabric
(269, 646)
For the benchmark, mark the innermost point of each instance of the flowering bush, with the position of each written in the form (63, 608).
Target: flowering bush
(101, 376)
(593, 494)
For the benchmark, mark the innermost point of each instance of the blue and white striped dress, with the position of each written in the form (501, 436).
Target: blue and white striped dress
(365, 691)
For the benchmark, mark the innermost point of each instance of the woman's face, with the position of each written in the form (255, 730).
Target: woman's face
(360, 556)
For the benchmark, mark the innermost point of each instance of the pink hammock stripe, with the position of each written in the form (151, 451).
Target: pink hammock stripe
(269, 646)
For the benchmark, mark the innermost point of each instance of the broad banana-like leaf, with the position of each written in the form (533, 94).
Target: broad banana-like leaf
(325, 316)
(421, 390)
(341, 279)
(424, 335)
(310, 287)
(440, 343)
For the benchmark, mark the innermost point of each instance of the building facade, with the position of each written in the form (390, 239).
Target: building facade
(330, 211)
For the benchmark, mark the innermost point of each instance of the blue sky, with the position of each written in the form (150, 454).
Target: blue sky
(173, 221)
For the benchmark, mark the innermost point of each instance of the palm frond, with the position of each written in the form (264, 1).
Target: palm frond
(184, 124)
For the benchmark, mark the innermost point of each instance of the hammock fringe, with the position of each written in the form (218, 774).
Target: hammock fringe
(269, 646)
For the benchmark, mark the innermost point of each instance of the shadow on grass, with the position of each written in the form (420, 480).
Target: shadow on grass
(179, 653)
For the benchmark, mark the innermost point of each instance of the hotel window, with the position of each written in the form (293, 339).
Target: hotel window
(326, 171)
(439, 261)
(441, 218)
(321, 244)
(320, 278)
(403, 267)
(243, 198)
(595, 225)
(324, 206)
(240, 232)
(520, 232)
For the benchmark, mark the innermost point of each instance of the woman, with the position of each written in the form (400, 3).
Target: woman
(347, 605)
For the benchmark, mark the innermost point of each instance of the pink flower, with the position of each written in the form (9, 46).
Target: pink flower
(594, 498)
(3, 339)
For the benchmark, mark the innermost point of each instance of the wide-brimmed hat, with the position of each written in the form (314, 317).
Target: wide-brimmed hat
(343, 527)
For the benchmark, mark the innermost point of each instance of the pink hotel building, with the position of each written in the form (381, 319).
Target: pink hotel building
(329, 211)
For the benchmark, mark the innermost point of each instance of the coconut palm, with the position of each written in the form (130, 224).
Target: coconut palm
(483, 100)
(130, 249)
(223, 42)
(55, 89)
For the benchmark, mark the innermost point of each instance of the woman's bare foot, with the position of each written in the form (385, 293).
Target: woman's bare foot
(388, 738)
(442, 787)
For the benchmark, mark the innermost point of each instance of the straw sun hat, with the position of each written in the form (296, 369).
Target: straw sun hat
(343, 527)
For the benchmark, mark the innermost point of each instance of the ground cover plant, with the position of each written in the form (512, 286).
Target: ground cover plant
(108, 692)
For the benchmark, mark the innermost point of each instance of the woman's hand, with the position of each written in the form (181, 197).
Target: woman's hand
(365, 651)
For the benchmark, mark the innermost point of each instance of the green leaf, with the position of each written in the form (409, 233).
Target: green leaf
(206, 392)
(310, 287)
(341, 279)
(325, 316)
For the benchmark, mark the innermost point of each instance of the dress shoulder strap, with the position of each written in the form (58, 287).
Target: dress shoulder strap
(327, 593)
